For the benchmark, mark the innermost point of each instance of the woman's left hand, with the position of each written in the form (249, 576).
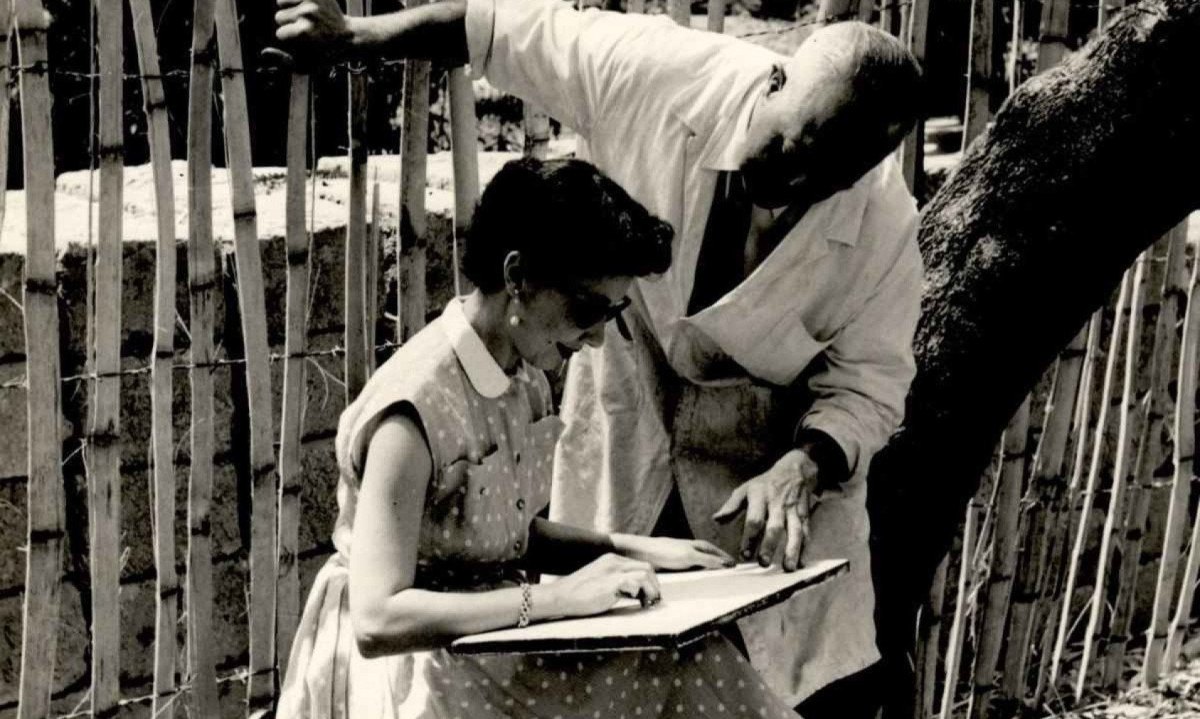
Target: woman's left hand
(671, 553)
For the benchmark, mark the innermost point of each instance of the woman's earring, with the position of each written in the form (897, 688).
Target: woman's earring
(514, 319)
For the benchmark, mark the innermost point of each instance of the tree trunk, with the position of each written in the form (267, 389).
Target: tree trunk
(1081, 172)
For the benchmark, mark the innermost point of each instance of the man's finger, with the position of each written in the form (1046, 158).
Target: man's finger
(288, 3)
(756, 510)
(732, 506)
(291, 14)
(773, 536)
(797, 533)
(294, 30)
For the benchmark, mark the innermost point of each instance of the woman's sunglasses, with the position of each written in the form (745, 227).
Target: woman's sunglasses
(586, 310)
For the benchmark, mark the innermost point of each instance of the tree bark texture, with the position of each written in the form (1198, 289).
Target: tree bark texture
(1085, 167)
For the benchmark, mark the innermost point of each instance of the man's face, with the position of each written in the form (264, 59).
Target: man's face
(807, 138)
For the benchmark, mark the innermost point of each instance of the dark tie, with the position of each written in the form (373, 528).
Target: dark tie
(722, 262)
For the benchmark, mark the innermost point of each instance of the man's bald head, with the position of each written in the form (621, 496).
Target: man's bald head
(830, 113)
(881, 73)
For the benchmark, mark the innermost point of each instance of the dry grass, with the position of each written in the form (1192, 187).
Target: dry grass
(1176, 697)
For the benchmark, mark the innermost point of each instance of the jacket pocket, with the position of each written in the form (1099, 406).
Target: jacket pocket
(779, 354)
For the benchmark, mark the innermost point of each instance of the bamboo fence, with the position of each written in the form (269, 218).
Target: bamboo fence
(414, 230)
(264, 512)
(291, 428)
(163, 459)
(356, 230)
(202, 288)
(44, 544)
(1045, 604)
(102, 443)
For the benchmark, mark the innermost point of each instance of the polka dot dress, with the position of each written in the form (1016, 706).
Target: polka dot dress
(492, 438)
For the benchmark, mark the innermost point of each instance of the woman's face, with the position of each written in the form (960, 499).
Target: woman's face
(557, 321)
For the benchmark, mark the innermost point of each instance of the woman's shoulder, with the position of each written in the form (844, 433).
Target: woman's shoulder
(426, 361)
(422, 374)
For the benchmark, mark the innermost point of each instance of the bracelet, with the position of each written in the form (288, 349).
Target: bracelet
(526, 604)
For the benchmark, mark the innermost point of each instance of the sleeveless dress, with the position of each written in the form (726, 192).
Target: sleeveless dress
(492, 439)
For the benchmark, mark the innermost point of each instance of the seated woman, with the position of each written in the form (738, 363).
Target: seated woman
(445, 463)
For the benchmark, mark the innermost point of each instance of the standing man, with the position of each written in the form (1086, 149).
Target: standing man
(749, 386)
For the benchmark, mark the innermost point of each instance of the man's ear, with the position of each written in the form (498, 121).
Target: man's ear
(514, 274)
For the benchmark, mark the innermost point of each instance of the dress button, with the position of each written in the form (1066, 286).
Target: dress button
(517, 545)
(521, 503)
(483, 490)
(517, 457)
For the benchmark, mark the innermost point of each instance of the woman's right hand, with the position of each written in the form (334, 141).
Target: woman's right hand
(596, 587)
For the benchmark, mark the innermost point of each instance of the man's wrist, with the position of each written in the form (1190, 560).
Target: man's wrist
(832, 467)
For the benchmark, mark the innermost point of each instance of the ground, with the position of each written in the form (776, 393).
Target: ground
(1178, 696)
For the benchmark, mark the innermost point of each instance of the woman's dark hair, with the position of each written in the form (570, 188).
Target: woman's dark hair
(569, 222)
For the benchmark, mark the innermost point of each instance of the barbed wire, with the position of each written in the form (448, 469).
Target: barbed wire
(338, 351)
(241, 674)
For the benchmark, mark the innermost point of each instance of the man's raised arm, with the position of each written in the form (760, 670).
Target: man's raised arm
(580, 67)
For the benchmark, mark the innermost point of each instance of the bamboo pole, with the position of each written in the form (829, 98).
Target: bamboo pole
(1053, 31)
(1014, 66)
(5, 103)
(537, 132)
(102, 448)
(44, 494)
(680, 11)
(930, 640)
(1169, 258)
(371, 280)
(356, 229)
(1126, 434)
(292, 415)
(1182, 455)
(465, 154)
(202, 287)
(1057, 541)
(716, 16)
(1089, 492)
(1046, 490)
(912, 151)
(166, 581)
(1168, 636)
(263, 527)
(980, 72)
(1060, 517)
(891, 19)
(830, 11)
(1005, 540)
(413, 227)
(958, 624)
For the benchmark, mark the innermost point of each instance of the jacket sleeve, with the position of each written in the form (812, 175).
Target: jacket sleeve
(581, 66)
(861, 389)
